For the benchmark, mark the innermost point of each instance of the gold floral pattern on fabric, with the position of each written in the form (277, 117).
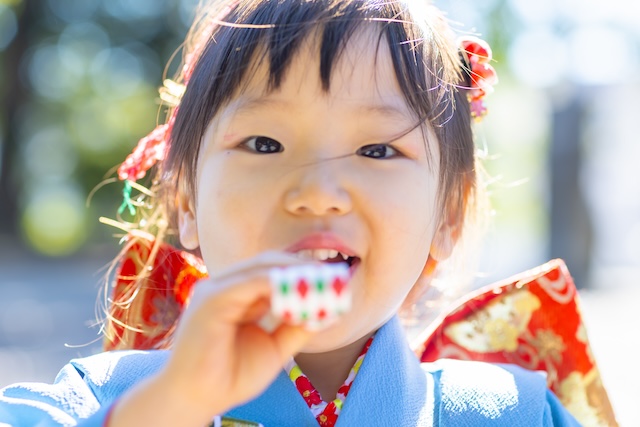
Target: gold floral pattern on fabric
(532, 320)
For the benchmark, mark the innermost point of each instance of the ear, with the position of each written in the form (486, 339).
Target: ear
(443, 242)
(187, 226)
(441, 249)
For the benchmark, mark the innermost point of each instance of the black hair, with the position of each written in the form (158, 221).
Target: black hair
(239, 34)
(424, 55)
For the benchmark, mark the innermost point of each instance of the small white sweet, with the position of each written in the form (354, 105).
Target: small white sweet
(313, 295)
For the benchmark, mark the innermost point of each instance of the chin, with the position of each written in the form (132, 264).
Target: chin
(332, 338)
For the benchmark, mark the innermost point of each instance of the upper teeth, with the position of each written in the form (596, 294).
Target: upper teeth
(320, 254)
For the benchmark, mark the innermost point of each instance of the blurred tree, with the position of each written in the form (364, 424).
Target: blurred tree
(11, 96)
(78, 86)
(571, 230)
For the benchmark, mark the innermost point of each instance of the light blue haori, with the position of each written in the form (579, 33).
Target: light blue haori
(392, 388)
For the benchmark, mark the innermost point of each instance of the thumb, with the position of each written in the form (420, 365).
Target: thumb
(290, 339)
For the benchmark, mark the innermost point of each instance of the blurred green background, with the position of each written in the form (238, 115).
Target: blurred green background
(78, 88)
(78, 82)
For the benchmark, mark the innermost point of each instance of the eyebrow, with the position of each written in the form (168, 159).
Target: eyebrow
(246, 104)
(386, 110)
(390, 110)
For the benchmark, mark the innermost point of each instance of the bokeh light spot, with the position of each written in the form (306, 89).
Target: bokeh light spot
(50, 75)
(539, 57)
(73, 10)
(121, 122)
(78, 45)
(187, 10)
(116, 72)
(48, 154)
(53, 220)
(589, 45)
(8, 26)
(135, 10)
(535, 12)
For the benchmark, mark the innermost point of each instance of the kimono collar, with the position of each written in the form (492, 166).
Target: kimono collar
(390, 385)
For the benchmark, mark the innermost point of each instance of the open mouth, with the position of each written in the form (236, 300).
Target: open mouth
(330, 256)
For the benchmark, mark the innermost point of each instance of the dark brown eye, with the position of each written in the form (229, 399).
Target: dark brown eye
(378, 151)
(263, 145)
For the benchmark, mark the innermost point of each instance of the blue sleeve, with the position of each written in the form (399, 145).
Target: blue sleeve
(69, 401)
(83, 391)
(555, 415)
(474, 394)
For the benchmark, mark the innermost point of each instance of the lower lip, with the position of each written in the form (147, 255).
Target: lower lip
(352, 267)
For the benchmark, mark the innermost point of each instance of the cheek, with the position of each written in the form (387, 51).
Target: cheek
(223, 223)
(235, 211)
(403, 225)
(406, 206)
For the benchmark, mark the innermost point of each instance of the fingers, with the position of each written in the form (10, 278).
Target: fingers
(257, 310)
(243, 286)
(220, 344)
(239, 294)
(290, 339)
(234, 302)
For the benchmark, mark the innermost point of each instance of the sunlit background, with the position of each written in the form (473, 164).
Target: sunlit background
(78, 87)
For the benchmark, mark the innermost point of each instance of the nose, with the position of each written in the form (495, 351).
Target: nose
(318, 190)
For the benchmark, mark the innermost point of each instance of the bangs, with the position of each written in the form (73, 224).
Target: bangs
(257, 31)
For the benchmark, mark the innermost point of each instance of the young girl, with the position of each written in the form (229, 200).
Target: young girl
(308, 130)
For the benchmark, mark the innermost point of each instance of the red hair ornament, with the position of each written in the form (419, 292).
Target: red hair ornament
(155, 146)
(149, 150)
(477, 56)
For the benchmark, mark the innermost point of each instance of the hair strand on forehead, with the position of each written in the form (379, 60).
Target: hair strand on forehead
(231, 38)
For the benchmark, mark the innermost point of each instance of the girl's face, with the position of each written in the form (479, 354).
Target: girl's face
(302, 168)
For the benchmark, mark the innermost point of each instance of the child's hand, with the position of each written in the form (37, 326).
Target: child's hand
(220, 356)
(219, 349)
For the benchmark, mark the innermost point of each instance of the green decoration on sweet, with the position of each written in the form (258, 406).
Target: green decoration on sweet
(284, 288)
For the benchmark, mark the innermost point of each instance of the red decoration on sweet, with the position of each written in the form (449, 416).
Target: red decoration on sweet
(303, 288)
(338, 285)
(322, 313)
(478, 56)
